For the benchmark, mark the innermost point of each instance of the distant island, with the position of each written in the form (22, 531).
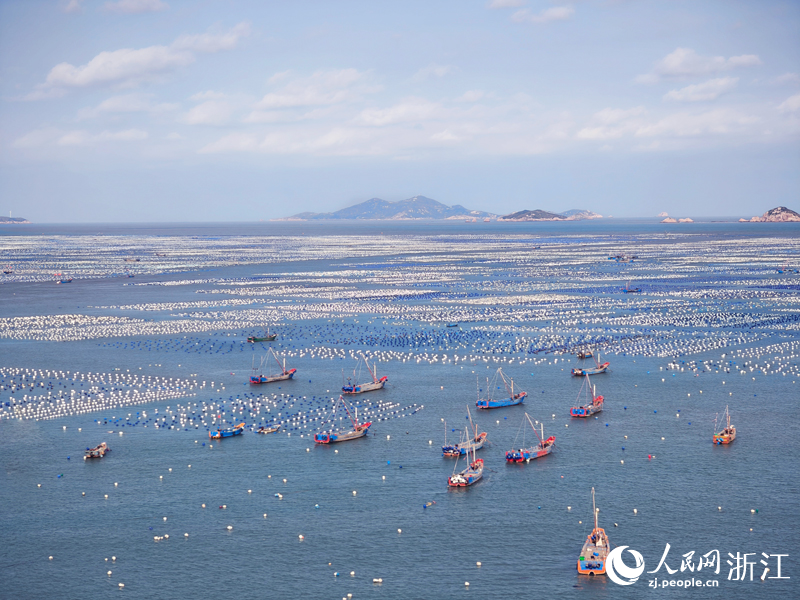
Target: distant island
(780, 214)
(576, 214)
(13, 220)
(420, 207)
(673, 220)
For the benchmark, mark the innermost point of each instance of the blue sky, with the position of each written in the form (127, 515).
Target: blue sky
(163, 110)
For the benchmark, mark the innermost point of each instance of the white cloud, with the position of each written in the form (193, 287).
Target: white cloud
(786, 78)
(410, 109)
(712, 122)
(319, 89)
(709, 90)
(127, 103)
(208, 95)
(210, 112)
(135, 6)
(505, 4)
(685, 62)
(128, 67)
(234, 142)
(432, 70)
(556, 13)
(446, 136)
(612, 123)
(83, 138)
(609, 116)
(73, 6)
(213, 42)
(471, 96)
(791, 104)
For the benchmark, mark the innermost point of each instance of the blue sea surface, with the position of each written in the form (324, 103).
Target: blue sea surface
(62, 519)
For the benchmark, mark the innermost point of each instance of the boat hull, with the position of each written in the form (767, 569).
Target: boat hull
(593, 371)
(592, 560)
(586, 411)
(266, 430)
(721, 439)
(225, 433)
(258, 379)
(269, 338)
(342, 436)
(468, 476)
(461, 449)
(532, 453)
(365, 387)
(512, 401)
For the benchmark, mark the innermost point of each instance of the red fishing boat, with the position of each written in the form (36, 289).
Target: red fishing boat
(594, 403)
(527, 454)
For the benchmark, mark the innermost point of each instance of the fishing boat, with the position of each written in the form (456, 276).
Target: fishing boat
(596, 370)
(265, 430)
(268, 337)
(592, 560)
(474, 440)
(332, 435)
(63, 278)
(9, 270)
(97, 451)
(452, 324)
(584, 354)
(728, 433)
(594, 403)
(227, 432)
(257, 375)
(512, 400)
(527, 454)
(375, 384)
(468, 476)
(630, 290)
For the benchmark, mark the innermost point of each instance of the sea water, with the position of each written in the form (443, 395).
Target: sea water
(526, 297)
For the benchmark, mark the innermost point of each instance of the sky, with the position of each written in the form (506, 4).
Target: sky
(170, 110)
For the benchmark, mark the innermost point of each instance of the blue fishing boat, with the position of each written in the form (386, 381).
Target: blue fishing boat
(631, 290)
(596, 370)
(512, 400)
(452, 324)
(227, 432)
(471, 442)
(593, 403)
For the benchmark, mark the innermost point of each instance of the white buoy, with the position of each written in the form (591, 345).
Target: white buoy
(202, 506)
(354, 492)
(185, 535)
(109, 573)
(352, 573)
(249, 491)
(165, 518)
(378, 580)
(106, 496)
(635, 511)
(569, 508)
(301, 537)
(388, 437)
(230, 527)
(113, 559)
(478, 563)
(49, 558)
(121, 585)
(115, 484)
(399, 531)
(466, 583)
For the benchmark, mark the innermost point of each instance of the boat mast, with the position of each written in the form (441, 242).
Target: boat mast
(594, 510)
